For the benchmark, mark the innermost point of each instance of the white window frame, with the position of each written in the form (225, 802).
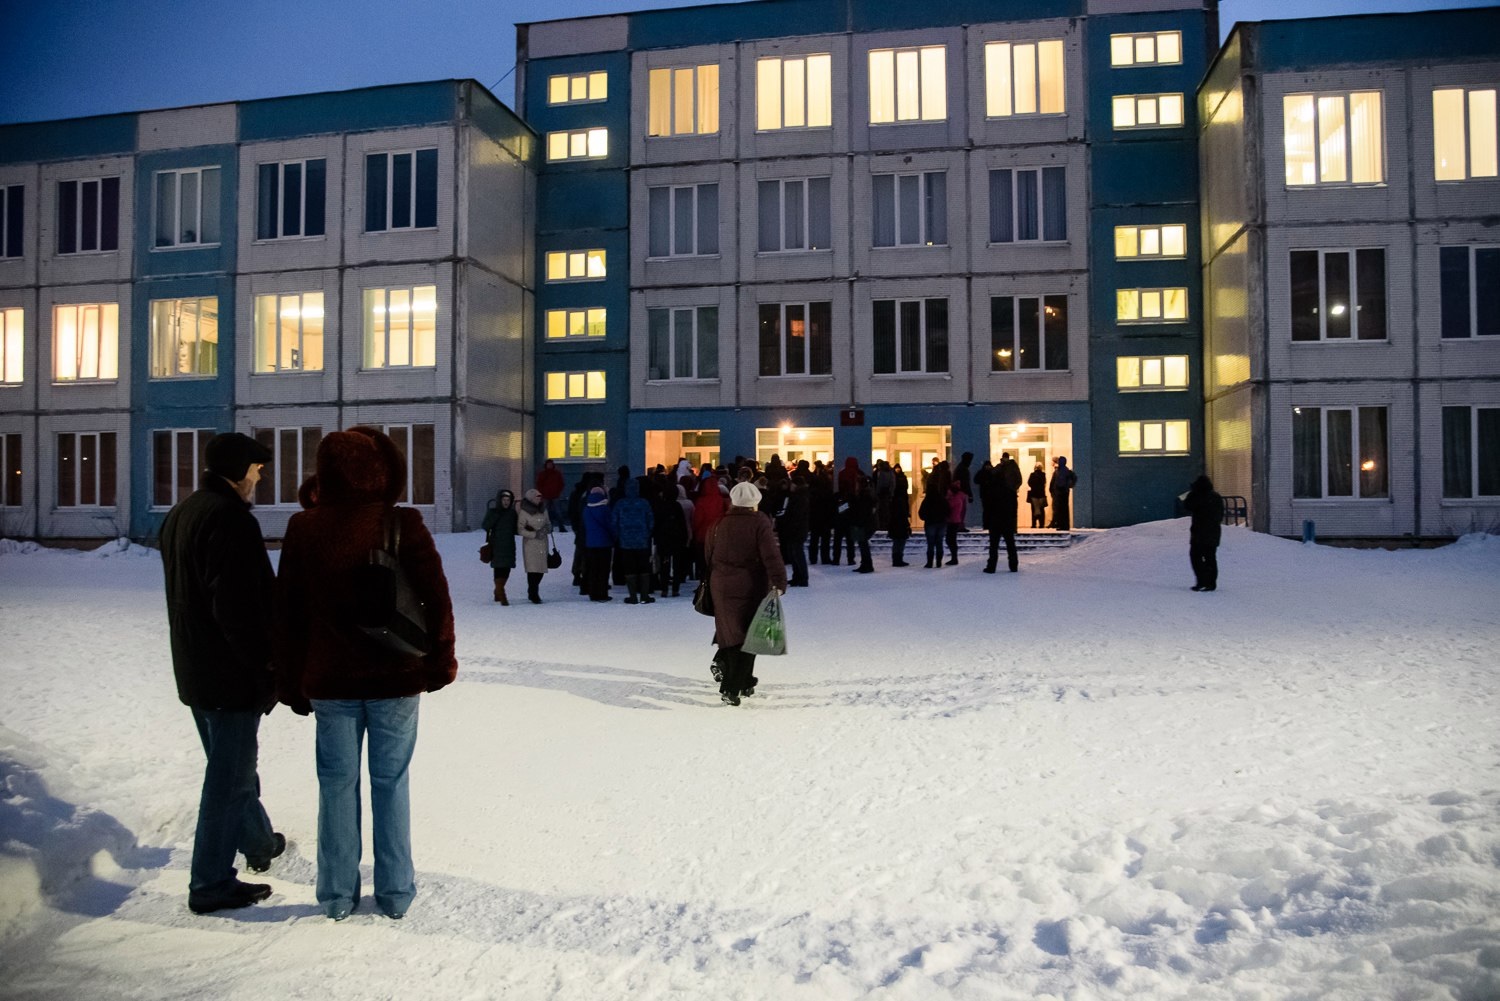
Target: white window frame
(1352, 254)
(924, 68)
(178, 437)
(302, 309)
(576, 386)
(1152, 438)
(921, 334)
(675, 251)
(411, 192)
(1314, 117)
(1152, 373)
(1474, 452)
(578, 88)
(7, 250)
(1145, 243)
(105, 361)
(694, 314)
(576, 323)
(575, 265)
(785, 339)
(1145, 48)
(807, 214)
(1475, 333)
(1045, 211)
(701, 112)
(166, 355)
(178, 238)
(270, 482)
(1018, 334)
(12, 464)
(418, 354)
(408, 432)
(80, 221)
(578, 144)
(1134, 112)
(794, 92)
(1355, 495)
(1477, 128)
(12, 345)
(1017, 75)
(281, 166)
(99, 453)
(586, 453)
(924, 223)
(1144, 297)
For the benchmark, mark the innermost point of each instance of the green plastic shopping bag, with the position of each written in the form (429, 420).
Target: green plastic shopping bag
(767, 632)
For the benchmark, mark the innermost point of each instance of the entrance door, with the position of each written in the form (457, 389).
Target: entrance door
(793, 444)
(1030, 445)
(667, 447)
(915, 448)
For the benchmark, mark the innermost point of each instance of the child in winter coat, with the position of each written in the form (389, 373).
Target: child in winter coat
(958, 508)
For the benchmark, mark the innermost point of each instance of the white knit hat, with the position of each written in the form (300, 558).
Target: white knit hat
(745, 495)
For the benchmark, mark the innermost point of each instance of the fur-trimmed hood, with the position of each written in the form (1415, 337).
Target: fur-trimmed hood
(360, 465)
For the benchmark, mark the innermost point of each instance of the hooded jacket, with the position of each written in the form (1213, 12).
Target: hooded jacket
(598, 530)
(320, 652)
(535, 529)
(631, 518)
(500, 526)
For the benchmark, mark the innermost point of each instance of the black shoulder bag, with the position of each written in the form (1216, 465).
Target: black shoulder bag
(387, 608)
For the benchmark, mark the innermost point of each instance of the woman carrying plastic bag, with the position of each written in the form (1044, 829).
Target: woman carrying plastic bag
(744, 563)
(766, 634)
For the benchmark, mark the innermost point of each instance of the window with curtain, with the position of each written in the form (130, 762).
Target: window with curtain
(910, 210)
(796, 338)
(417, 444)
(1338, 295)
(1028, 333)
(86, 469)
(577, 88)
(1028, 205)
(1334, 138)
(177, 460)
(294, 452)
(794, 214)
(1471, 452)
(1024, 78)
(683, 101)
(88, 215)
(12, 345)
(289, 332)
(911, 336)
(908, 85)
(401, 190)
(12, 220)
(1464, 127)
(1340, 452)
(578, 144)
(683, 343)
(1469, 291)
(86, 342)
(794, 92)
(400, 327)
(683, 220)
(289, 199)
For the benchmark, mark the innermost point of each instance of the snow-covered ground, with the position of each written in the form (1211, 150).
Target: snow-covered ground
(1082, 781)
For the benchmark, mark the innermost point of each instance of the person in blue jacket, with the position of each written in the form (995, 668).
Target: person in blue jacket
(598, 541)
(632, 523)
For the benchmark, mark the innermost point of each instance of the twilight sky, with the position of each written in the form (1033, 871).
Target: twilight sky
(67, 58)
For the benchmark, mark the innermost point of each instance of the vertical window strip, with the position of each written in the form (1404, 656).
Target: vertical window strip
(12, 345)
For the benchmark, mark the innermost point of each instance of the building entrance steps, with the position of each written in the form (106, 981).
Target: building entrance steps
(976, 542)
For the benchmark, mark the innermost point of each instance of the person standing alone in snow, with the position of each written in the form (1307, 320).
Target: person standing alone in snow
(219, 607)
(744, 563)
(1207, 511)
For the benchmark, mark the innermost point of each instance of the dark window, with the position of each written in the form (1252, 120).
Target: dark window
(1338, 295)
(12, 220)
(377, 190)
(796, 338)
(88, 215)
(10, 455)
(1471, 452)
(909, 210)
(1028, 205)
(683, 221)
(177, 458)
(423, 457)
(1028, 333)
(1469, 291)
(1307, 452)
(86, 469)
(293, 459)
(425, 195)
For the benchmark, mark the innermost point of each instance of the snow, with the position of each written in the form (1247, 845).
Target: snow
(1078, 782)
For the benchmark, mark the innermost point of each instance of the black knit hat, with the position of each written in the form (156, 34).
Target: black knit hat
(230, 455)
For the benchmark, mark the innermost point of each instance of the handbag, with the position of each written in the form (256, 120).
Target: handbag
(703, 597)
(387, 608)
(486, 553)
(554, 558)
(767, 632)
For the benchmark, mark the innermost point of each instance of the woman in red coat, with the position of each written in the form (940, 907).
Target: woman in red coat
(744, 562)
(358, 689)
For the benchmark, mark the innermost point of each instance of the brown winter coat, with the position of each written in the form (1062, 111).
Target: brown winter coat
(744, 562)
(320, 653)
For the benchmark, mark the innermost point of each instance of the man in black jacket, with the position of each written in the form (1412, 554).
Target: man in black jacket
(219, 594)
(1207, 510)
(1000, 504)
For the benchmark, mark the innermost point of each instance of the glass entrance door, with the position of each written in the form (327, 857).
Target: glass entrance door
(665, 448)
(1030, 445)
(793, 444)
(915, 448)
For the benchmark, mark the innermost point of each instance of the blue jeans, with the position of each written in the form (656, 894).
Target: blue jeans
(230, 817)
(343, 724)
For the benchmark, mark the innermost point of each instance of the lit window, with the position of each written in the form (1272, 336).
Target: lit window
(417, 444)
(86, 342)
(1339, 452)
(1023, 78)
(1334, 138)
(1464, 133)
(294, 457)
(1153, 437)
(401, 190)
(1028, 333)
(796, 338)
(909, 85)
(187, 207)
(289, 199)
(794, 92)
(564, 445)
(400, 327)
(910, 210)
(795, 214)
(1147, 111)
(1151, 305)
(184, 337)
(1471, 452)
(911, 336)
(1152, 48)
(567, 324)
(1338, 295)
(683, 221)
(11, 494)
(12, 220)
(1028, 205)
(684, 101)
(86, 467)
(289, 332)
(576, 88)
(682, 343)
(579, 144)
(1469, 284)
(1143, 374)
(1150, 241)
(575, 265)
(88, 215)
(574, 387)
(177, 460)
(12, 345)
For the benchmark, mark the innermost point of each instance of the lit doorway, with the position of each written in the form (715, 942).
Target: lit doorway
(915, 449)
(793, 444)
(666, 448)
(1032, 445)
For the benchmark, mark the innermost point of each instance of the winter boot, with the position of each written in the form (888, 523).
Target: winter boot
(500, 592)
(632, 586)
(643, 584)
(533, 588)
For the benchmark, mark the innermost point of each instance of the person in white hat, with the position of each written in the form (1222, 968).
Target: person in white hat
(744, 564)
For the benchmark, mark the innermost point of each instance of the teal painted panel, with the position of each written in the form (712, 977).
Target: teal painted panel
(71, 139)
(1449, 36)
(581, 199)
(1146, 172)
(729, 22)
(365, 110)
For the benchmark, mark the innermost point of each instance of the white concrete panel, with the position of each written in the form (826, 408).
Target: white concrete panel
(103, 395)
(399, 245)
(830, 390)
(1033, 128)
(204, 125)
(396, 383)
(545, 39)
(866, 136)
(1009, 258)
(950, 258)
(720, 392)
(720, 145)
(107, 266)
(793, 142)
(1024, 386)
(294, 252)
(949, 387)
(706, 269)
